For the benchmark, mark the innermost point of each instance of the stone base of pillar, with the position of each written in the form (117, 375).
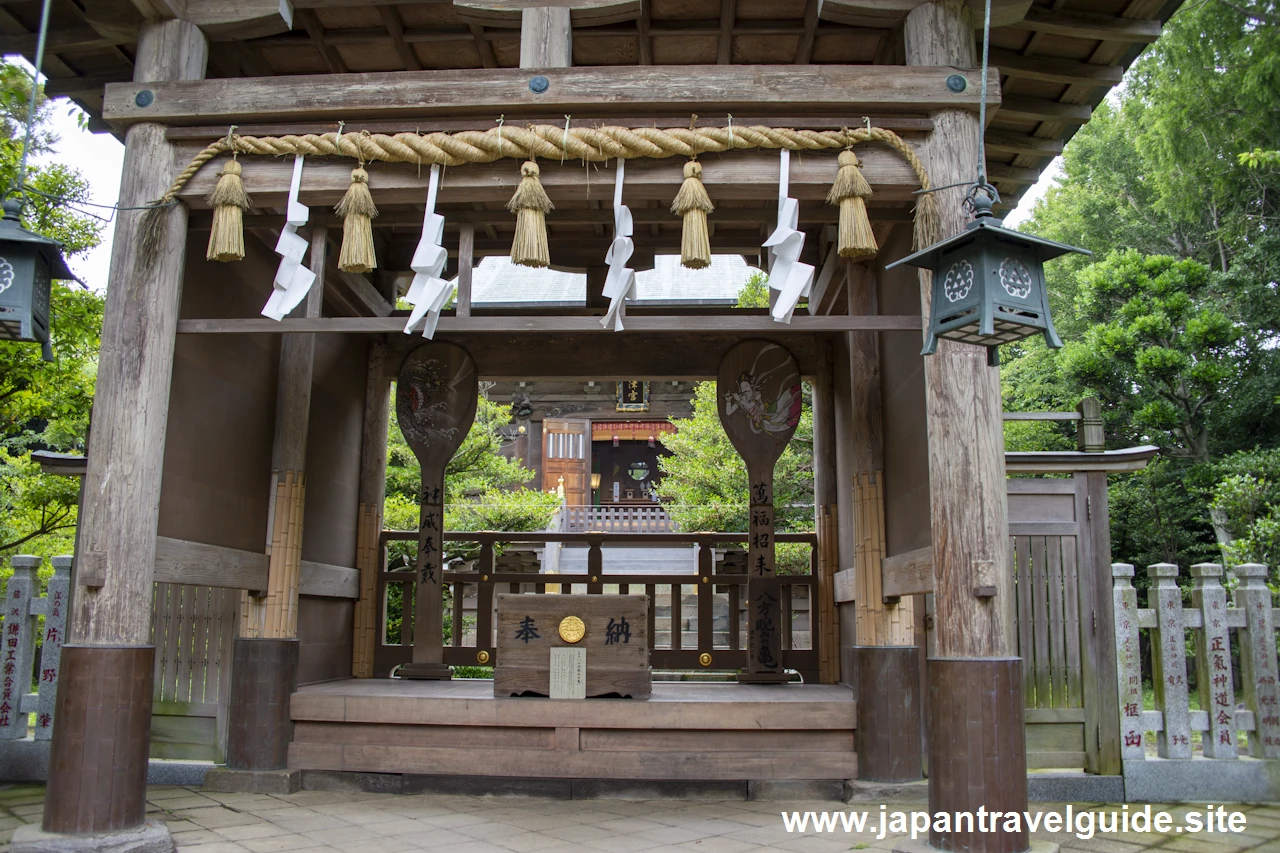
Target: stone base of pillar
(425, 671)
(101, 740)
(887, 690)
(977, 749)
(225, 781)
(263, 677)
(152, 837)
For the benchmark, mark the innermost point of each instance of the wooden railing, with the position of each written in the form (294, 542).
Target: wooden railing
(607, 518)
(712, 603)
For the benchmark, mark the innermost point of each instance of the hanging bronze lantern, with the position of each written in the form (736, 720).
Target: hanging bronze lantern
(28, 264)
(988, 283)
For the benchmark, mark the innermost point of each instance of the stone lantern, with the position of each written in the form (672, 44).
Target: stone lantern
(28, 264)
(988, 284)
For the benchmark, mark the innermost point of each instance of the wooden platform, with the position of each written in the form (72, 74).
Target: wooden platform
(685, 731)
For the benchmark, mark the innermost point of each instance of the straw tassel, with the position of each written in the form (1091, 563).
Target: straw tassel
(357, 211)
(531, 206)
(693, 203)
(850, 190)
(229, 201)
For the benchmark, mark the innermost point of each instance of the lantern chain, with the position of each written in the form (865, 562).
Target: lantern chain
(35, 89)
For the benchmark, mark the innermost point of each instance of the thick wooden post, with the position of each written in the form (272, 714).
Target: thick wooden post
(373, 478)
(546, 37)
(265, 660)
(98, 767)
(887, 681)
(975, 685)
(825, 622)
(466, 267)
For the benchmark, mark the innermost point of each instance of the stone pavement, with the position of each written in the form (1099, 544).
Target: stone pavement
(325, 822)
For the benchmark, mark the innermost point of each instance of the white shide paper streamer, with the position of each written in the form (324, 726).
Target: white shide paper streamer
(620, 283)
(787, 275)
(429, 291)
(292, 280)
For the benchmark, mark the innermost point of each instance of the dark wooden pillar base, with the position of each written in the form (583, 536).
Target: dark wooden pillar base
(101, 739)
(263, 677)
(425, 671)
(887, 685)
(977, 749)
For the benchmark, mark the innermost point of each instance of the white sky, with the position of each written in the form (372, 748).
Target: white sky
(99, 156)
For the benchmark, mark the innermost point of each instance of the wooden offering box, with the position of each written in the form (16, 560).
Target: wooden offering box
(614, 633)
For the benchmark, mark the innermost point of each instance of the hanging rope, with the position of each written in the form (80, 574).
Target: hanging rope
(595, 144)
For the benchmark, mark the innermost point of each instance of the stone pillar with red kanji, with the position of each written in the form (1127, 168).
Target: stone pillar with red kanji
(55, 630)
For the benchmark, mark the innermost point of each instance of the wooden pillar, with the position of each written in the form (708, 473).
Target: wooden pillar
(373, 478)
(975, 685)
(880, 623)
(546, 37)
(266, 652)
(466, 267)
(887, 681)
(596, 274)
(98, 767)
(826, 619)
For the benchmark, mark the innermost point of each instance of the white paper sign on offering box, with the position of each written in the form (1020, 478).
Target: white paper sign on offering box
(568, 673)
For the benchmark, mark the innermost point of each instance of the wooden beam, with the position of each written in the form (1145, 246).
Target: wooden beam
(907, 574)
(1097, 27)
(208, 133)
(1055, 70)
(546, 38)
(75, 38)
(845, 89)
(366, 294)
(324, 580)
(180, 561)
(637, 324)
(1035, 109)
(1013, 174)
(395, 26)
(78, 87)
(1011, 143)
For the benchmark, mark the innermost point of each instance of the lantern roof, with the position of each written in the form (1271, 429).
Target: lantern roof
(11, 231)
(986, 224)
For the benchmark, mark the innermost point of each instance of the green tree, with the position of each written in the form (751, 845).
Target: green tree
(704, 480)
(45, 405)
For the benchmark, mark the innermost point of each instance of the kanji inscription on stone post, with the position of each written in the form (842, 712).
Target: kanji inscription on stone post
(1258, 663)
(1213, 661)
(1128, 663)
(1169, 662)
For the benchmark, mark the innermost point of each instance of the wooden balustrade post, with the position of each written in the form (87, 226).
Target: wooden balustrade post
(1128, 661)
(1213, 661)
(706, 601)
(1169, 662)
(487, 564)
(1258, 664)
(98, 760)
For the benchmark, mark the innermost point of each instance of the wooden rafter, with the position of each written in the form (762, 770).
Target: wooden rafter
(1055, 70)
(804, 51)
(1096, 27)
(728, 14)
(310, 21)
(395, 27)
(483, 47)
(645, 52)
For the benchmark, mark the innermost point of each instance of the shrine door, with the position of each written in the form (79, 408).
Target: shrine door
(566, 451)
